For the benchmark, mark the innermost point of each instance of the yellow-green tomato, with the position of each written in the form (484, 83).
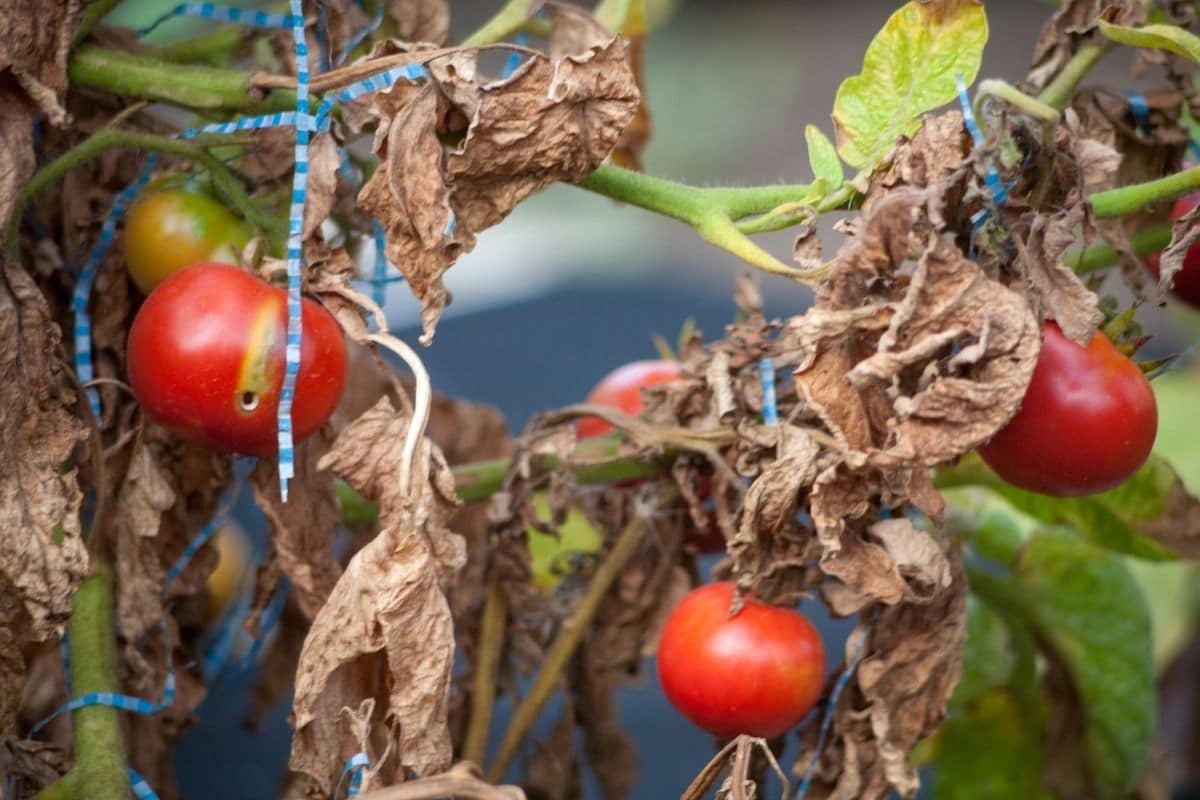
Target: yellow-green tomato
(173, 224)
(232, 574)
(553, 558)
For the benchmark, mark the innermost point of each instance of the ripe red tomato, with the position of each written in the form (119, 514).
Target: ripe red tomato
(174, 224)
(1186, 285)
(622, 389)
(206, 360)
(1086, 424)
(759, 672)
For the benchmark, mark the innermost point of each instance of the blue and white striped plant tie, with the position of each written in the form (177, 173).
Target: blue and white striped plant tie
(992, 180)
(121, 702)
(216, 654)
(514, 58)
(357, 38)
(139, 785)
(270, 619)
(294, 255)
(221, 13)
(1140, 110)
(206, 533)
(354, 767)
(766, 374)
(87, 277)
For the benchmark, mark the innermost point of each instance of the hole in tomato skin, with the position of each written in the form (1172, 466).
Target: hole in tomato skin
(248, 401)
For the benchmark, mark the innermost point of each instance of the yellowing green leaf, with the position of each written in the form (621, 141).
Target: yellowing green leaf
(910, 67)
(823, 158)
(1160, 37)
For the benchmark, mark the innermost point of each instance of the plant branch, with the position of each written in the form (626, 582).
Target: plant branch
(714, 212)
(92, 14)
(113, 138)
(1059, 91)
(1010, 94)
(483, 695)
(214, 48)
(1130, 199)
(507, 21)
(99, 748)
(147, 78)
(1098, 256)
(568, 638)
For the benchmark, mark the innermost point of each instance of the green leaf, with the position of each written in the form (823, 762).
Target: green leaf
(987, 752)
(823, 158)
(988, 655)
(1089, 612)
(910, 67)
(1159, 37)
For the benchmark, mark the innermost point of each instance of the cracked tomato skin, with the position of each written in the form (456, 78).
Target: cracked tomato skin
(1087, 423)
(622, 389)
(758, 672)
(206, 360)
(1186, 285)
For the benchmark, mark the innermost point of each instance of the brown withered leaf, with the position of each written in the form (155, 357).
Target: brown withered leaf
(1059, 293)
(323, 163)
(553, 768)
(31, 765)
(897, 696)
(386, 632)
(555, 118)
(609, 749)
(1073, 23)
(42, 557)
(894, 562)
(302, 530)
(421, 20)
(12, 669)
(17, 159)
(144, 496)
(35, 38)
(1185, 232)
(340, 20)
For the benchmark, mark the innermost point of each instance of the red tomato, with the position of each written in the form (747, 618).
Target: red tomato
(1086, 424)
(759, 672)
(206, 360)
(622, 389)
(174, 224)
(1186, 285)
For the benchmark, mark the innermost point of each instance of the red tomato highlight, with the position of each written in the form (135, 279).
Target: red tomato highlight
(622, 389)
(1087, 423)
(206, 360)
(1186, 284)
(758, 672)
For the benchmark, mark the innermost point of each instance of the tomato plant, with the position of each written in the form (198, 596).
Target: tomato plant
(173, 224)
(206, 359)
(758, 672)
(1186, 285)
(1087, 422)
(553, 557)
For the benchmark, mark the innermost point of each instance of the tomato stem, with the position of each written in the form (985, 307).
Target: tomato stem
(1057, 94)
(1134, 198)
(511, 17)
(1098, 256)
(570, 634)
(490, 649)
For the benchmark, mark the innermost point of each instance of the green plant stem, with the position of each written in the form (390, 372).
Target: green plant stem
(99, 749)
(1130, 199)
(1098, 256)
(147, 78)
(113, 138)
(65, 788)
(507, 21)
(568, 638)
(1059, 91)
(487, 665)
(1015, 97)
(92, 14)
(481, 479)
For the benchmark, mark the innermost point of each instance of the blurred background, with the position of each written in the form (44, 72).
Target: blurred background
(573, 284)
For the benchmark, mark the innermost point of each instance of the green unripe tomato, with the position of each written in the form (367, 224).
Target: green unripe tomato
(551, 558)
(173, 224)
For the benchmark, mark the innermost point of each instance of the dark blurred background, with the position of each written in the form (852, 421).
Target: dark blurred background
(572, 285)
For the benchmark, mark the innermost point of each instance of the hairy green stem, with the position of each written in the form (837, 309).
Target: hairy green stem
(507, 21)
(113, 138)
(487, 665)
(569, 636)
(1098, 256)
(99, 748)
(1130, 199)
(481, 479)
(196, 87)
(1013, 96)
(1059, 91)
